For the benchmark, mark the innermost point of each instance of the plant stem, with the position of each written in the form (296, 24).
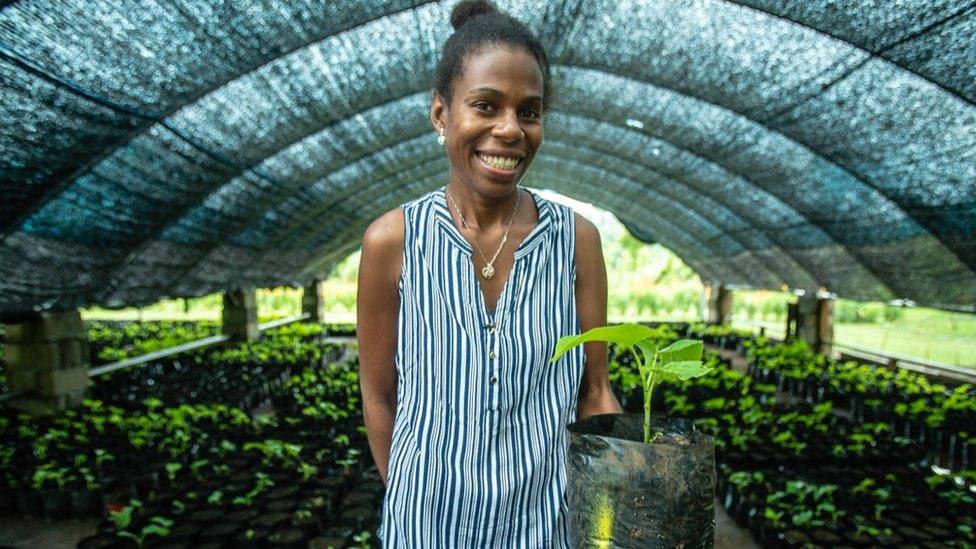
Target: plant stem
(647, 418)
(648, 391)
(645, 374)
(647, 411)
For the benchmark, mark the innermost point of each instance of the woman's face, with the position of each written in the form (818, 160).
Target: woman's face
(493, 126)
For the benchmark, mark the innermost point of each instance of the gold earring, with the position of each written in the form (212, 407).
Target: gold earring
(440, 138)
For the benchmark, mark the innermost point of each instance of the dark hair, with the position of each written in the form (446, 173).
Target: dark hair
(478, 23)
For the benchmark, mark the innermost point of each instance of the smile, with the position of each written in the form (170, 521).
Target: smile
(500, 163)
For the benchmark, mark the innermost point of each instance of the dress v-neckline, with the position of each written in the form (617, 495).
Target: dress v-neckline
(540, 225)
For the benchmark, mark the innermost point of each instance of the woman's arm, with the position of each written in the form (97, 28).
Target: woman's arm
(377, 306)
(595, 396)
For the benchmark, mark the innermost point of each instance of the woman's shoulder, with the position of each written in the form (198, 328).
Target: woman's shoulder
(386, 233)
(388, 230)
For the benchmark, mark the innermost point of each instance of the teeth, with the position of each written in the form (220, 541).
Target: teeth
(500, 162)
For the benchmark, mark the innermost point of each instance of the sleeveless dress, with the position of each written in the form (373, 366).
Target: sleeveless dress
(478, 457)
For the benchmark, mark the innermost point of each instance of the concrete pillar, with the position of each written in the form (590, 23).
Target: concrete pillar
(825, 326)
(313, 301)
(47, 362)
(719, 303)
(791, 321)
(240, 314)
(811, 319)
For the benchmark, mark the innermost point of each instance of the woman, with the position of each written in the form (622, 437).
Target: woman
(462, 295)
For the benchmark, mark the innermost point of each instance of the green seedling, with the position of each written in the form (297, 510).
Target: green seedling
(679, 361)
(197, 468)
(262, 482)
(172, 468)
(307, 470)
(808, 505)
(362, 540)
(102, 456)
(216, 497)
(123, 517)
(275, 450)
(91, 483)
(158, 526)
(48, 474)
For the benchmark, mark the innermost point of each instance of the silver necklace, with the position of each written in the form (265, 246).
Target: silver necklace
(489, 270)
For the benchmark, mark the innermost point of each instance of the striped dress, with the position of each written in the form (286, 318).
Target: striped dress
(478, 457)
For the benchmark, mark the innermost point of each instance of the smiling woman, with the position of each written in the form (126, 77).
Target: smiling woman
(465, 415)
(489, 109)
(493, 126)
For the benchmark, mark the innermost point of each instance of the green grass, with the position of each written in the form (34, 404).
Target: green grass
(932, 339)
(939, 323)
(927, 334)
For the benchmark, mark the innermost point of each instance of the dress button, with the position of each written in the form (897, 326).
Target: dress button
(490, 328)
(491, 355)
(494, 379)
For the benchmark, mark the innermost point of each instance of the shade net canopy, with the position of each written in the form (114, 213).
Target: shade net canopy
(163, 149)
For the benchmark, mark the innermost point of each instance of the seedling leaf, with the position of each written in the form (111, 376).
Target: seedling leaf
(622, 334)
(685, 369)
(681, 351)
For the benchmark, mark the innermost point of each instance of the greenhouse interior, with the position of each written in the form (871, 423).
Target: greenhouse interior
(185, 191)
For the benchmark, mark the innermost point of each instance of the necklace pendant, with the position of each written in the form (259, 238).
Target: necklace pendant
(488, 271)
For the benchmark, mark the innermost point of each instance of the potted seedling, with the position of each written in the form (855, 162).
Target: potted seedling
(261, 483)
(50, 480)
(156, 527)
(172, 469)
(637, 480)
(86, 494)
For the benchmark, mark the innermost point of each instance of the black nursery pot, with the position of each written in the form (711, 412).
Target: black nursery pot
(626, 493)
(29, 501)
(8, 501)
(54, 503)
(84, 503)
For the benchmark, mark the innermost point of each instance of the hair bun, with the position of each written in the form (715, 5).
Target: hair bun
(468, 9)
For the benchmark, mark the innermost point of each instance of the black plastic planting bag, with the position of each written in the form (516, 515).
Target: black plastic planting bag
(625, 493)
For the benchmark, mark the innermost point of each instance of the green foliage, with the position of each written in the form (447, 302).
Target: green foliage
(276, 451)
(853, 312)
(740, 413)
(308, 470)
(171, 469)
(921, 399)
(50, 474)
(362, 540)
(807, 504)
(680, 360)
(956, 489)
(157, 526)
(261, 483)
(865, 531)
(293, 344)
(123, 517)
(743, 480)
(120, 341)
